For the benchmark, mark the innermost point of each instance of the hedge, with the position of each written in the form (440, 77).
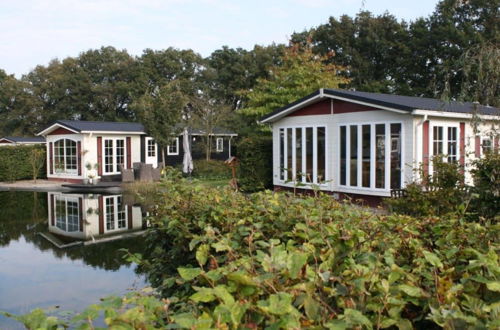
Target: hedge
(15, 162)
(256, 163)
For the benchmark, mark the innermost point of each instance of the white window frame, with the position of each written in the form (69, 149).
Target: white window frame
(176, 152)
(65, 170)
(115, 170)
(219, 144)
(482, 139)
(154, 149)
(114, 202)
(445, 140)
(388, 145)
(66, 200)
(287, 180)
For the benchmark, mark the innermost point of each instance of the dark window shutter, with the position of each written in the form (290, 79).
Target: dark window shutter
(129, 152)
(129, 216)
(99, 155)
(478, 147)
(80, 209)
(79, 157)
(101, 215)
(51, 158)
(53, 213)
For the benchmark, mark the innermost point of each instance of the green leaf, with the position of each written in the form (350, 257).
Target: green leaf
(203, 295)
(189, 274)
(433, 259)
(185, 320)
(202, 254)
(493, 286)
(355, 317)
(242, 277)
(221, 292)
(412, 291)
(295, 262)
(311, 308)
(336, 325)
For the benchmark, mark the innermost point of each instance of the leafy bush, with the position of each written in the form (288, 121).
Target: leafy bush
(16, 162)
(256, 162)
(211, 169)
(486, 173)
(222, 259)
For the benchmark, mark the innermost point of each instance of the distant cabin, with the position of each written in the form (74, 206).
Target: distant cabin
(79, 149)
(21, 140)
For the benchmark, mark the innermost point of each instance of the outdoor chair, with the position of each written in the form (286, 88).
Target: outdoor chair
(146, 172)
(127, 174)
(136, 167)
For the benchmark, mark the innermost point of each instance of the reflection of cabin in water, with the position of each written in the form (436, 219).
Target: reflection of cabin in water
(96, 218)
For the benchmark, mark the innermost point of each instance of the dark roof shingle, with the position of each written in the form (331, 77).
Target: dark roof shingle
(101, 126)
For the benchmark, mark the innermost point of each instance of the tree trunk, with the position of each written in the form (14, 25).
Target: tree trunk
(207, 148)
(163, 156)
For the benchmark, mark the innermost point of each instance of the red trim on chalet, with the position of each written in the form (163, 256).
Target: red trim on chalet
(66, 180)
(52, 213)
(51, 157)
(346, 107)
(99, 155)
(61, 131)
(425, 145)
(319, 108)
(129, 216)
(129, 152)
(5, 141)
(477, 148)
(80, 210)
(462, 144)
(79, 157)
(101, 215)
(372, 201)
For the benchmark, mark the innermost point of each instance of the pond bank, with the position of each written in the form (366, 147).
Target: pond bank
(47, 186)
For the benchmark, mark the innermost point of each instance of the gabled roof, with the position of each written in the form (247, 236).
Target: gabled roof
(79, 126)
(216, 131)
(398, 103)
(24, 139)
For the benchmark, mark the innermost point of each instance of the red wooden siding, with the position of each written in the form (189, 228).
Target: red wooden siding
(425, 144)
(129, 216)
(477, 148)
(320, 108)
(346, 107)
(80, 210)
(5, 141)
(51, 157)
(79, 157)
(53, 207)
(61, 131)
(99, 155)
(101, 215)
(462, 144)
(66, 180)
(129, 152)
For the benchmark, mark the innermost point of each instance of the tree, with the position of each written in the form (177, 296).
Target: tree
(161, 111)
(301, 73)
(208, 114)
(37, 160)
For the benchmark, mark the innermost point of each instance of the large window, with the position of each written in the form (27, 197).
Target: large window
(173, 147)
(219, 145)
(370, 155)
(114, 155)
(65, 157)
(302, 155)
(151, 147)
(445, 142)
(486, 145)
(67, 214)
(115, 213)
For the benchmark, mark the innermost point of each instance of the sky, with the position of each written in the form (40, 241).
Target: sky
(32, 32)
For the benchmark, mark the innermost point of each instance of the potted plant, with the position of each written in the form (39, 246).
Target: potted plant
(88, 166)
(96, 170)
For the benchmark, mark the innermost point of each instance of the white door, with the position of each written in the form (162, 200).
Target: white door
(151, 152)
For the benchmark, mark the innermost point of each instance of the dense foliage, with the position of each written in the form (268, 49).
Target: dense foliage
(16, 162)
(211, 169)
(445, 192)
(222, 259)
(256, 162)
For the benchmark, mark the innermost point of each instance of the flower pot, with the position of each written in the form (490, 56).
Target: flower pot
(85, 181)
(91, 181)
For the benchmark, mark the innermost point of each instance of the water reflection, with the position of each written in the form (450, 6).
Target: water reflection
(34, 272)
(89, 219)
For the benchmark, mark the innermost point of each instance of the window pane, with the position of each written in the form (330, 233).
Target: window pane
(122, 218)
(452, 145)
(354, 156)
(110, 213)
(282, 154)
(59, 156)
(380, 156)
(73, 219)
(289, 162)
(437, 132)
(321, 157)
(343, 155)
(366, 155)
(120, 154)
(309, 154)
(151, 148)
(396, 156)
(486, 146)
(60, 213)
(298, 153)
(70, 155)
(108, 156)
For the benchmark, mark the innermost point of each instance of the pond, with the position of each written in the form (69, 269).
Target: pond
(62, 251)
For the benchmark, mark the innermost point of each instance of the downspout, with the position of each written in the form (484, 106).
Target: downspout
(419, 145)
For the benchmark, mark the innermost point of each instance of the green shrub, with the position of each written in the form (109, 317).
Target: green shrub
(211, 169)
(486, 174)
(256, 162)
(15, 162)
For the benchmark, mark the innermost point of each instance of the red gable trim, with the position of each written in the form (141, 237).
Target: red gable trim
(61, 131)
(324, 107)
(5, 141)
(320, 108)
(346, 107)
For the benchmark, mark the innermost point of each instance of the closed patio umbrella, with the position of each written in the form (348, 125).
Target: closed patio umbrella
(187, 163)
